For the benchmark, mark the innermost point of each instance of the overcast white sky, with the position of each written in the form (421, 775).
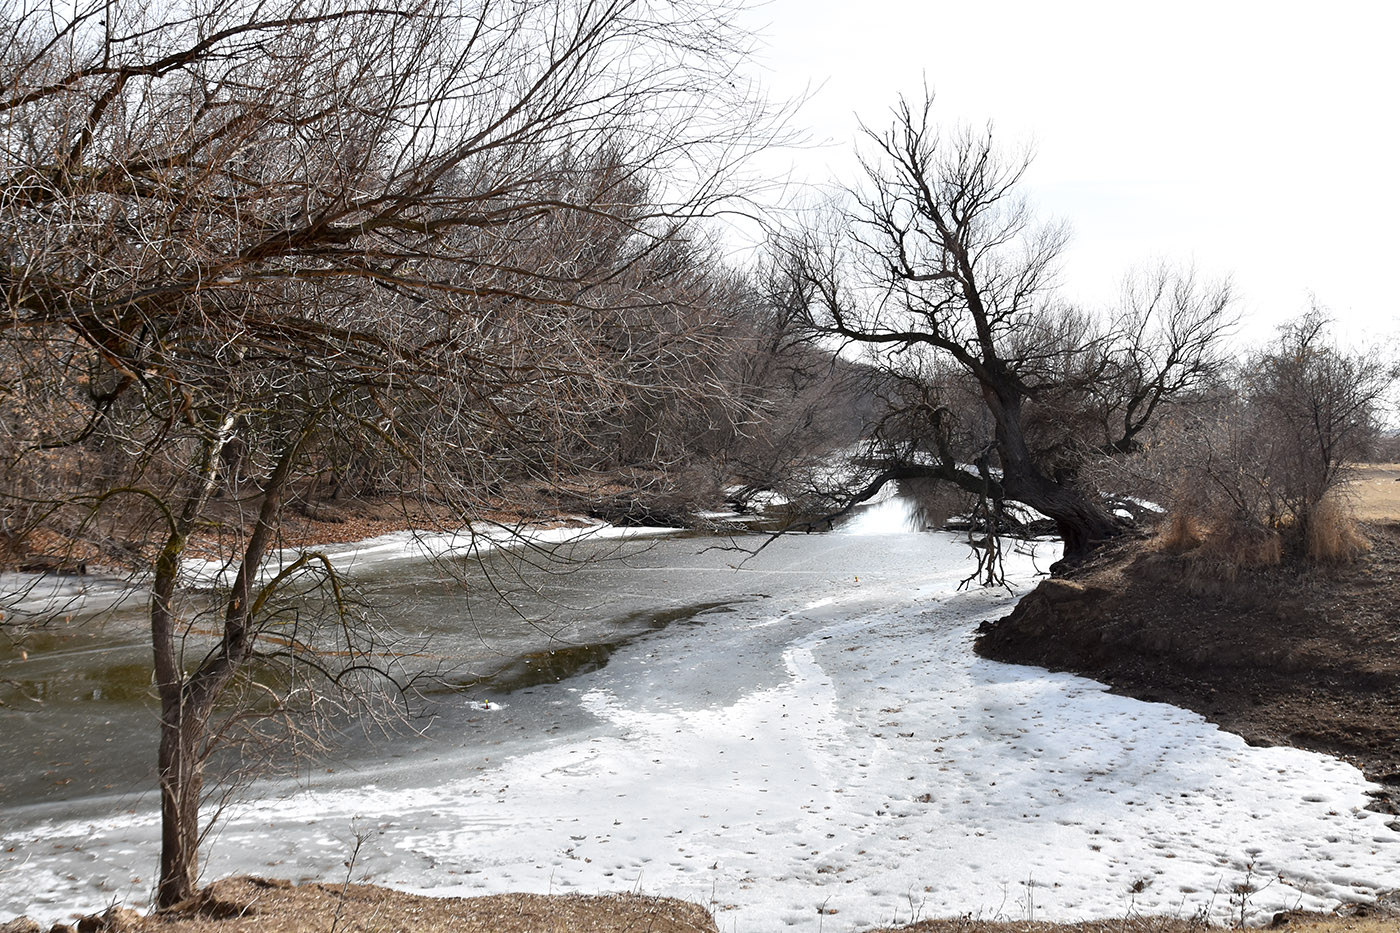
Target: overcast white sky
(1255, 139)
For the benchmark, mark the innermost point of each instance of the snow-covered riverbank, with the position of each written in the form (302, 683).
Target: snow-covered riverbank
(825, 753)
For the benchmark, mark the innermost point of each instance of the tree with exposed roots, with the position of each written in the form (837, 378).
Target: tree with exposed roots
(940, 273)
(246, 243)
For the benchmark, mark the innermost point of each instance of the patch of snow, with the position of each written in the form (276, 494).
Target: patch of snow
(1024, 513)
(886, 513)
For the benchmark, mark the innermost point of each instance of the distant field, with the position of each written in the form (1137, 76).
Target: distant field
(1377, 492)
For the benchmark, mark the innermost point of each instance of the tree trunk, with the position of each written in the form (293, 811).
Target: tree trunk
(187, 701)
(181, 769)
(181, 784)
(1081, 522)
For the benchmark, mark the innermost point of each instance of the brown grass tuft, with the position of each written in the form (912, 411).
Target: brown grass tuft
(1243, 544)
(1332, 536)
(257, 905)
(1181, 532)
(1226, 548)
(1218, 550)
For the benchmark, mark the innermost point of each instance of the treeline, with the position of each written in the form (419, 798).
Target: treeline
(650, 381)
(262, 256)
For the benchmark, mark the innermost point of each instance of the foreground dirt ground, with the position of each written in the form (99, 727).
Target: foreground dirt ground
(253, 905)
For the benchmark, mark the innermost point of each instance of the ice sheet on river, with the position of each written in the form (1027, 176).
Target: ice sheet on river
(41, 594)
(398, 546)
(831, 757)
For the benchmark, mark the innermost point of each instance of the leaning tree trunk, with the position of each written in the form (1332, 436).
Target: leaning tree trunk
(1081, 521)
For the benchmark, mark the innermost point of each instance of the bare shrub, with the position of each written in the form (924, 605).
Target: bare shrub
(1316, 407)
(1232, 546)
(1260, 471)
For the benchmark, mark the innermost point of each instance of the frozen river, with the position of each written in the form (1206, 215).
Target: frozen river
(809, 742)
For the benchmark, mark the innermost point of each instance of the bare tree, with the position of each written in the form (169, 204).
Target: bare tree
(1321, 405)
(245, 242)
(1263, 469)
(941, 273)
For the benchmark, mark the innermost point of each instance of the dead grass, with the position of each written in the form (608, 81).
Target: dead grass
(1333, 537)
(1181, 532)
(1239, 546)
(1375, 491)
(1217, 553)
(254, 905)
